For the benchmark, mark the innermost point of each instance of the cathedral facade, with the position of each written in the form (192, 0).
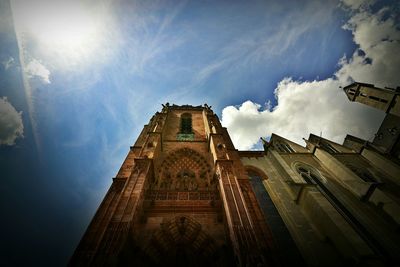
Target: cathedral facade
(184, 196)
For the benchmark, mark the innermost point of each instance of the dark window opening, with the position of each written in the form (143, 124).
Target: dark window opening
(374, 97)
(288, 148)
(309, 174)
(329, 148)
(186, 124)
(287, 250)
(363, 173)
(378, 99)
(283, 148)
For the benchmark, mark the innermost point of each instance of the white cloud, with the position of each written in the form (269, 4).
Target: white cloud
(304, 108)
(320, 106)
(11, 126)
(356, 4)
(379, 45)
(8, 63)
(35, 69)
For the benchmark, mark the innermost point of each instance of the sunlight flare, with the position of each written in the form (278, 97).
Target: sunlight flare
(64, 29)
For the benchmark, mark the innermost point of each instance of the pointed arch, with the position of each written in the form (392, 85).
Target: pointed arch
(181, 241)
(185, 170)
(254, 171)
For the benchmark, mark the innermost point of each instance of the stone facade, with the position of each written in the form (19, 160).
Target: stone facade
(387, 139)
(332, 200)
(184, 196)
(181, 197)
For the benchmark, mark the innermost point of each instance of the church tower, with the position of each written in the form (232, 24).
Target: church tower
(182, 197)
(385, 99)
(387, 139)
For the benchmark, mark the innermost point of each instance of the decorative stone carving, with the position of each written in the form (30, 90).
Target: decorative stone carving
(182, 240)
(185, 170)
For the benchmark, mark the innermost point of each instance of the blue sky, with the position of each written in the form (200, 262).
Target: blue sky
(79, 79)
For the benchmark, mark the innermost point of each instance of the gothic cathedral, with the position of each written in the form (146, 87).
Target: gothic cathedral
(184, 196)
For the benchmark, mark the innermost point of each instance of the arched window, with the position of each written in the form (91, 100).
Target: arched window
(329, 148)
(288, 148)
(283, 147)
(269, 211)
(186, 123)
(363, 173)
(310, 174)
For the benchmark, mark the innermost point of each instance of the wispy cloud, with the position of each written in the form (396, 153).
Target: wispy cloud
(320, 106)
(150, 37)
(247, 49)
(8, 63)
(357, 4)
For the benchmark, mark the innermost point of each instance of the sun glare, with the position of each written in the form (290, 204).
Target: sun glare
(67, 30)
(60, 28)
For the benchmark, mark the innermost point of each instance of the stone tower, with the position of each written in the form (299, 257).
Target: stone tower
(386, 99)
(387, 139)
(182, 197)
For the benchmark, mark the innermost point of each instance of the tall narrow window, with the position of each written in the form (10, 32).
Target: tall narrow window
(329, 148)
(309, 173)
(186, 123)
(185, 130)
(288, 148)
(279, 231)
(283, 147)
(363, 173)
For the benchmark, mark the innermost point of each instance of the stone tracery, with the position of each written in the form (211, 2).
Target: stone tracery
(181, 241)
(185, 170)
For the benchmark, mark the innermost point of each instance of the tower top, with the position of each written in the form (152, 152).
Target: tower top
(368, 94)
(167, 106)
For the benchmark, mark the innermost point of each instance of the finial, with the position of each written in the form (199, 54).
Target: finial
(266, 144)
